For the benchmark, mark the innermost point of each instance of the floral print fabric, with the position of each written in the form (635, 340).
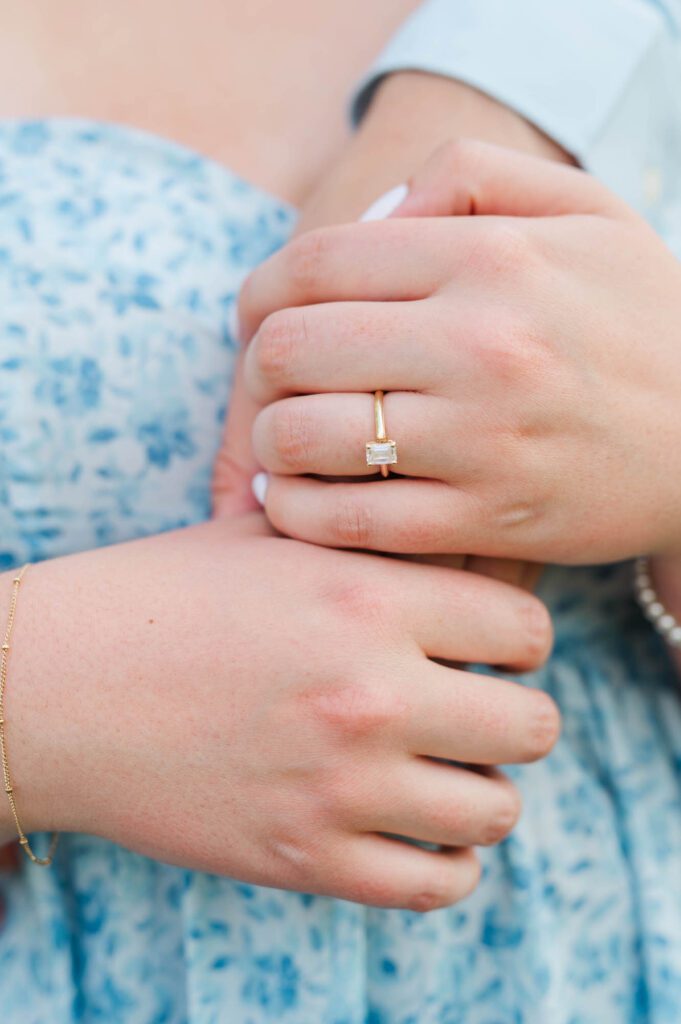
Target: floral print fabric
(120, 257)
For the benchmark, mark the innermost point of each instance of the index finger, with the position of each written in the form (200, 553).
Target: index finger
(466, 177)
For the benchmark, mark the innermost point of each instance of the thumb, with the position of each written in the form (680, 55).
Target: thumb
(469, 177)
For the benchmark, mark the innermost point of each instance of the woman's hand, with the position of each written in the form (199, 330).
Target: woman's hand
(410, 114)
(533, 359)
(248, 705)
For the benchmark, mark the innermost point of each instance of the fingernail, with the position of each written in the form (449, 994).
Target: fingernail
(386, 204)
(233, 325)
(259, 485)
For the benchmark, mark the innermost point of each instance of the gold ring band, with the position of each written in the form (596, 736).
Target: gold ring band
(382, 451)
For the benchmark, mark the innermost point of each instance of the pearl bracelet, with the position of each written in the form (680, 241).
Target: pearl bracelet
(653, 609)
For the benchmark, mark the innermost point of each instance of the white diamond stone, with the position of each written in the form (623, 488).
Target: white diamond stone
(381, 453)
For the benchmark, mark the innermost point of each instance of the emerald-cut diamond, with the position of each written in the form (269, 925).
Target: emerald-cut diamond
(381, 453)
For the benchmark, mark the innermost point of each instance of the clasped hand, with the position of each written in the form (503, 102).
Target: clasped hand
(530, 356)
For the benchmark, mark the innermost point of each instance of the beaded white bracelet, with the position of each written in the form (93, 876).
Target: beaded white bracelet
(653, 609)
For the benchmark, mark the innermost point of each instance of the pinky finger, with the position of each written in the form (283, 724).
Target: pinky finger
(378, 871)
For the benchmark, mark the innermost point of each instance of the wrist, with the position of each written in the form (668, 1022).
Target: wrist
(21, 706)
(422, 110)
(8, 831)
(18, 785)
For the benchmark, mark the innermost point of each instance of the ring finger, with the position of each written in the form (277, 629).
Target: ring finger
(326, 435)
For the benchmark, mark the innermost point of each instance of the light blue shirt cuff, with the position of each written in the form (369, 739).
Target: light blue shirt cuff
(602, 78)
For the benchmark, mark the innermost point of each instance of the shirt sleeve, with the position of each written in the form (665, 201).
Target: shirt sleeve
(600, 77)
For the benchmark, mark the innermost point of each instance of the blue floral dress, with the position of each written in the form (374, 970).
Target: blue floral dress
(120, 257)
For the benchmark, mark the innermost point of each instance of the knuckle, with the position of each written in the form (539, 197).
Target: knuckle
(293, 436)
(457, 153)
(373, 892)
(362, 606)
(504, 819)
(275, 345)
(306, 256)
(455, 880)
(353, 524)
(538, 630)
(504, 248)
(434, 896)
(447, 884)
(542, 728)
(355, 710)
(513, 351)
(512, 516)
(293, 853)
(359, 600)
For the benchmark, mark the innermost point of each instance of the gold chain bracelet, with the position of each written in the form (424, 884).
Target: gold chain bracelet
(9, 789)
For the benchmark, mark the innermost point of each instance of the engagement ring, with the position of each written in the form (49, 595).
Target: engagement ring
(382, 451)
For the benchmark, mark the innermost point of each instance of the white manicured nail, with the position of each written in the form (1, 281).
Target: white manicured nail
(386, 203)
(259, 485)
(233, 325)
